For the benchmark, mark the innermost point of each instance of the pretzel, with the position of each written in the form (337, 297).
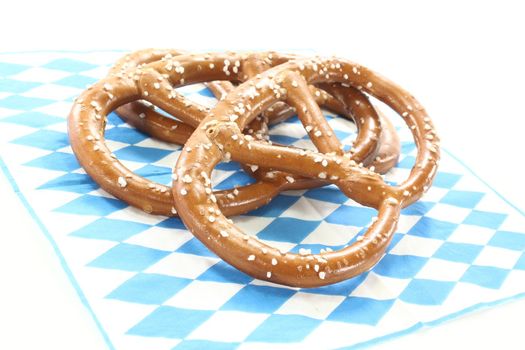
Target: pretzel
(219, 136)
(156, 125)
(86, 127)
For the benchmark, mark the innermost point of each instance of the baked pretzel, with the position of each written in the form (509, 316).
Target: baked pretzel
(220, 136)
(86, 127)
(143, 118)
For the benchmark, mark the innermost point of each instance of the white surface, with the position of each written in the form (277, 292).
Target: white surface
(463, 61)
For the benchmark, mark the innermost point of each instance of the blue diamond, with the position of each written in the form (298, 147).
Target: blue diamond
(341, 135)
(228, 166)
(445, 180)
(110, 229)
(44, 139)
(92, 205)
(485, 276)
(195, 247)
(361, 310)
(172, 222)
(161, 175)
(114, 119)
(283, 140)
(458, 252)
(148, 288)
(508, 240)
(464, 199)
(426, 292)
(124, 135)
(399, 266)
(170, 322)
(24, 103)
(278, 205)
(407, 147)
(71, 182)
(288, 230)
(205, 344)
(419, 208)
(33, 119)
(254, 298)
(284, 329)
(69, 65)
(327, 194)
(485, 219)
(432, 228)
(128, 257)
(407, 162)
(520, 265)
(76, 81)
(7, 69)
(350, 215)
(55, 161)
(141, 154)
(223, 272)
(206, 92)
(16, 86)
(239, 178)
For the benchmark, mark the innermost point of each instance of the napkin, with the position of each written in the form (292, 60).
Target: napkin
(149, 284)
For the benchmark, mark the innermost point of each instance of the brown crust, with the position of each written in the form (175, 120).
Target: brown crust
(205, 220)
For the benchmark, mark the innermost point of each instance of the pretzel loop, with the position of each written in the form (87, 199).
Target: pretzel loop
(208, 224)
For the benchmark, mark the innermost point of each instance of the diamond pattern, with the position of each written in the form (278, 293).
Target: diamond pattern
(170, 322)
(269, 299)
(485, 219)
(361, 310)
(141, 154)
(55, 161)
(458, 252)
(33, 119)
(44, 139)
(92, 205)
(171, 290)
(508, 240)
(110, 229)
(426, 292)
(7, 68)
(128, 257)
(485, 276)
(147, 288)
(16, 86)
(24, 103)
(71, 182)
(69, 65)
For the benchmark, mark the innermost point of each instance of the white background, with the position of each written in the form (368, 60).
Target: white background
(463, 61)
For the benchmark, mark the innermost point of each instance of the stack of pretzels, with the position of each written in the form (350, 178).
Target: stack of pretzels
(255, 90)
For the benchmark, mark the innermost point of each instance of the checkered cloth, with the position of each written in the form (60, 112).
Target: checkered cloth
(150, 285)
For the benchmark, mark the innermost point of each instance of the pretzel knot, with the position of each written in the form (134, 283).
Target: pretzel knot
(222, 130)
(142, 75)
